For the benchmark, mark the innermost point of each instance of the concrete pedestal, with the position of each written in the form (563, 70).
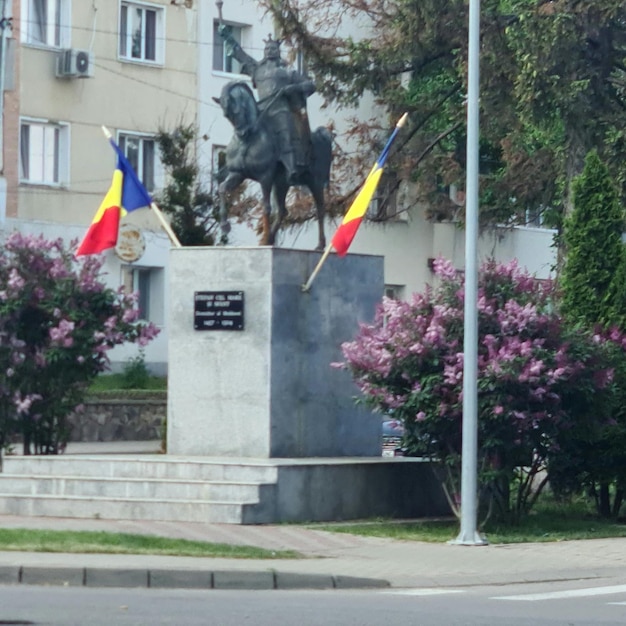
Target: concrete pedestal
(269, 390)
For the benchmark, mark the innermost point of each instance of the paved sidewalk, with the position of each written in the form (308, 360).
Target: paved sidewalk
(332, 559)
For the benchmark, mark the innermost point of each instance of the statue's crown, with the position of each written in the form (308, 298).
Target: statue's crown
(270, 40)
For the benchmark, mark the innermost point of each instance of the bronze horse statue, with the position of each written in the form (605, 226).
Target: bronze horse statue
(253, 153)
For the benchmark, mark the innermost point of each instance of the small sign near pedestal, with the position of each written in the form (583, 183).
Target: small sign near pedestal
(218, 310)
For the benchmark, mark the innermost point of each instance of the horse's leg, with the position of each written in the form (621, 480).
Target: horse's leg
(231, 182)
(318, 195)
(267, 238)
(280, 193)
(224, 223)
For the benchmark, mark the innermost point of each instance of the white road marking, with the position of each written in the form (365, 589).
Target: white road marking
(423, 592)
(569, 593)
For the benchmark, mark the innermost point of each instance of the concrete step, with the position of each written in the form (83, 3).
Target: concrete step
(122, 508)
(159, 489)
(151, 487)
(144, 466)
(289, 490)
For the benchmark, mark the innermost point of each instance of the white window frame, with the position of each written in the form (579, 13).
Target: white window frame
(131, 24)
(149, 285)
(221, 62)
(139, 163)
(395, 292)
(46, 23)
(301, 63)
(44, 152)
(534, 218)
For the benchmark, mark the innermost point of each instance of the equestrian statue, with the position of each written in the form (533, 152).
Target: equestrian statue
(273, 143)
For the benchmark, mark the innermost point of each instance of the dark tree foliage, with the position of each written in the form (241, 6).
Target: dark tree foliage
(594, 252)
(552, 88)
(193, 208)
(592, 278)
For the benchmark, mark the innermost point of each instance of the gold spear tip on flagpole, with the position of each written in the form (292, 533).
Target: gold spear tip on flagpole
(106, 132)
(402, 120)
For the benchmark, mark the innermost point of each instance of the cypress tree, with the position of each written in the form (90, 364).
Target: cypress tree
(593, 275)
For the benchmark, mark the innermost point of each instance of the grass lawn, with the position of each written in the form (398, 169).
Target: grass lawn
(550, 521)
(116, 382)
(27, 540)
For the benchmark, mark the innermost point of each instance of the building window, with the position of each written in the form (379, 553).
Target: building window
(535, 217)
(221, 61)
(395, 292)
(301, 64)
(46, 22)
(43, 153)
(148, 284)
(141, 32)
(384, 204)
(141, 152)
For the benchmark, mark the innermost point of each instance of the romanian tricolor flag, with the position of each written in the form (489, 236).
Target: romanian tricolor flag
(352, 220)
(125, 194)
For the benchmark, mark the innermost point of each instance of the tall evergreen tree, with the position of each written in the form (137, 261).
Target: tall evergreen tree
(595, 261)
(193, 208)
(594, 297)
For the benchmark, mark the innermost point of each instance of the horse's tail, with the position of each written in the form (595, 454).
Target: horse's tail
(322, 154)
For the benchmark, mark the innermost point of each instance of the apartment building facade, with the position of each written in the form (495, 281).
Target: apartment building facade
(70, 67)
(74, 68)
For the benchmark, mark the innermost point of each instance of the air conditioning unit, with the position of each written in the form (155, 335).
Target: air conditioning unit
(73, 63)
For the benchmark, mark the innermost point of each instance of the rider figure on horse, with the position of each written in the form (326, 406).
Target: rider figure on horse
(282, 97)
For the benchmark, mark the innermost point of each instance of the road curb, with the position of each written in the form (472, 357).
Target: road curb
(180, 578)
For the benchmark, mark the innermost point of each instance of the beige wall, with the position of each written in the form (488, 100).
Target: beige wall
(11, 114)
(120, 95)
(408, 245)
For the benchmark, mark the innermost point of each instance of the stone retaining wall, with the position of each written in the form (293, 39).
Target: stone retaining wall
(120, 419)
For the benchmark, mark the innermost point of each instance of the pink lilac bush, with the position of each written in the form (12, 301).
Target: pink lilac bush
(531, 369)
(591, 455)
(57, 323)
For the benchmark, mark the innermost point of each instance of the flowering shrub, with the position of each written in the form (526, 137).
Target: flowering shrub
(57, 323)
(591, 453)
(534, 378)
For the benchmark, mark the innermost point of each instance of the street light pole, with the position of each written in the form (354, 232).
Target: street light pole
(469, 460)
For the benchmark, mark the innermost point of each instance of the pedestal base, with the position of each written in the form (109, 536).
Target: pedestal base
(268, 390)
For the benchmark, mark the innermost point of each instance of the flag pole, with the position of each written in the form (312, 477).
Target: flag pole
(381, 159)
(318, 267)
(166, 227)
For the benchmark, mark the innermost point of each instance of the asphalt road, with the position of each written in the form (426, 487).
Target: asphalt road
(575, 603)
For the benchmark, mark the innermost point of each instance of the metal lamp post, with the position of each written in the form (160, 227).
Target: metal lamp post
(468, 534)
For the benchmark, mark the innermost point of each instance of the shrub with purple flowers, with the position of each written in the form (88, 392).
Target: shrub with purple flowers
(591, 456)
(57, 323)
(534, 378)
